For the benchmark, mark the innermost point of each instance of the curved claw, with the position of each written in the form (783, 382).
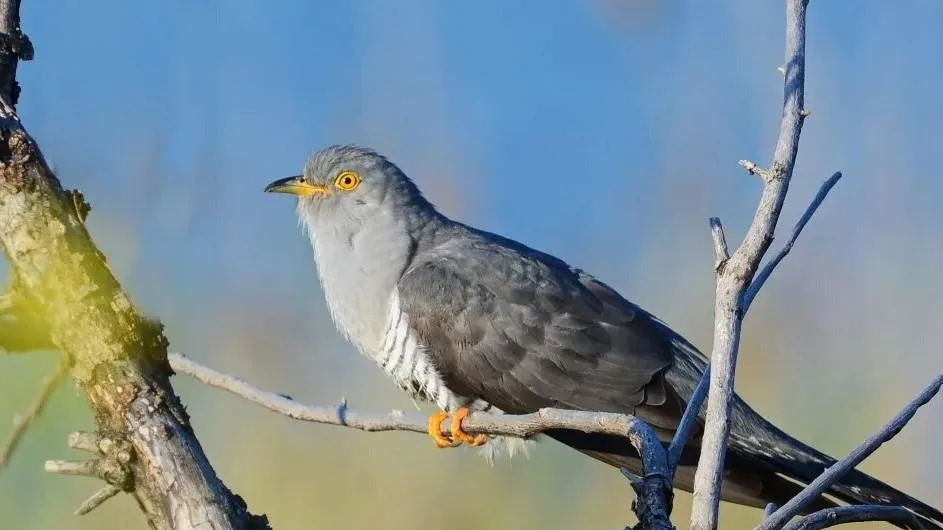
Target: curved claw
(433, 427)
(459, 434)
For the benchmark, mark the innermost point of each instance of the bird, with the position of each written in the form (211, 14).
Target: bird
(469, 320)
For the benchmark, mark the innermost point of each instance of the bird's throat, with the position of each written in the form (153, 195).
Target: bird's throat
(358, 267)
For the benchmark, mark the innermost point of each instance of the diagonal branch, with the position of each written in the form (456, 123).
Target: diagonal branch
(834, 473)
(688, 420)
(856, 514)
(771, 266)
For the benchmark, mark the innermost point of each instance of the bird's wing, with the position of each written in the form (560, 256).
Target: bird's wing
(523, 330)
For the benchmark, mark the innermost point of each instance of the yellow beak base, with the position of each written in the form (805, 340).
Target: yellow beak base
(298, 186)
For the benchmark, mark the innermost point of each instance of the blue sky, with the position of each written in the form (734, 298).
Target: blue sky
(553, 120)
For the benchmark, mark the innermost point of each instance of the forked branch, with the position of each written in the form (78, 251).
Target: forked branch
(734, 277)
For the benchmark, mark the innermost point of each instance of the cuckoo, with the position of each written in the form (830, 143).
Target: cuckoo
(472, 321)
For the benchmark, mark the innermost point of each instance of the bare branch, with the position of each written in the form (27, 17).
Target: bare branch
(738, 272)
(754, 169)
(22, 422)
(97, 499)
(857, 514)
(653, 489)
(721, 254)
(771, 266)
(88, 442)
(834, 473)
(687, 422)
(522, 426)
(78, 468)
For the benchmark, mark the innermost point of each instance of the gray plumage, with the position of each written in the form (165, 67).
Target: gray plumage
(465, 318)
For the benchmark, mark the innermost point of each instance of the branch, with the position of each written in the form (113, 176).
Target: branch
(688, 420)
(118, 357)
(653, 489)
(771, 266)
(14, 45)
(834, 473)
(721, 254)
(654, 496)
(856, 514)
(735, 276)
(521, 426)
(22, 422)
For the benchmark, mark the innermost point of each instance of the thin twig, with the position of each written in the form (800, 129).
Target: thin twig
(739, 270)
(78, 468)
(688, 421)
(89, 442)
(721, 254)
(764, 274)
(523, 425)
(835, 472)
(754, 169)
(856, 514)
(97, 499)
(22, 422)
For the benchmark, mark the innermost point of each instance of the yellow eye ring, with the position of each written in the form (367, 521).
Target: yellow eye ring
(347, 181)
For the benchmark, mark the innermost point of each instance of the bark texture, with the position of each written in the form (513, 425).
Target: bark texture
(118, 356)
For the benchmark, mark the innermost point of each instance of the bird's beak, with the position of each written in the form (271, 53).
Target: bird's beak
(297, 185)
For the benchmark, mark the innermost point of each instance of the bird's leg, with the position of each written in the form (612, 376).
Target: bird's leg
(456, 435)
(459, 434)
(434, 428)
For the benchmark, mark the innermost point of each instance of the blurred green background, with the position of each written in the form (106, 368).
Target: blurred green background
(603, 131)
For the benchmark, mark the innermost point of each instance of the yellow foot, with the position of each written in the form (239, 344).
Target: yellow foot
(459, 434)
(433, 428)
(456, 435)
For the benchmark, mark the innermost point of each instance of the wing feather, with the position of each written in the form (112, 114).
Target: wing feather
(523, 330)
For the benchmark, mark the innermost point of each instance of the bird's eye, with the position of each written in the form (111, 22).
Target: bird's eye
(347, 181)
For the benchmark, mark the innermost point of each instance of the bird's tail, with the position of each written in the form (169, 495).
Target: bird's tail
(790, 457)
(760, 445)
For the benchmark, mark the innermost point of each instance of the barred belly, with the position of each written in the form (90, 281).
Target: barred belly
(406, 362)
(404, 359)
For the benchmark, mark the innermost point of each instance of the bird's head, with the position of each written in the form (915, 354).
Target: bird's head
(348, 186)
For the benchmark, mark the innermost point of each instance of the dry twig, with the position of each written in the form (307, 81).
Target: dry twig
(768, 269)
(856, 514)
(522, 426)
